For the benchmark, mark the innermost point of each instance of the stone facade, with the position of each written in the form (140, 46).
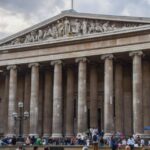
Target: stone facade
(91, 71)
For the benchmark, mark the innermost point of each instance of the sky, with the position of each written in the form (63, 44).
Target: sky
(16, 15)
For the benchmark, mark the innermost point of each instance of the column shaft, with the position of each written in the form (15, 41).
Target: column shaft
(47, 125)
(70, 103)
(12, 99)
(82, 97)
(27, 101)
(137, 93)
(93, 97)
(118, 97)
(108, 95)
(34, 99)
(57, 100)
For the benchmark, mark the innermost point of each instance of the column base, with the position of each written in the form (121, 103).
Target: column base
(57, 135)
(10, 135)
(69, 135)
(25, 135)
(108, 135)
(143, 136)
(33, 134)
(46, 135)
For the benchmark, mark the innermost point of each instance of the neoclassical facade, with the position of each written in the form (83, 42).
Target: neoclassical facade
(76, 71)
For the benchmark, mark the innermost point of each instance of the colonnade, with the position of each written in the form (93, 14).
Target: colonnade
(53, 118)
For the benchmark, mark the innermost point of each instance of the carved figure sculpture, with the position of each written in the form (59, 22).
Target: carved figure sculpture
(54, 31)
(60, 28)
(40, 35)
(45, 34)
(27, 38)
(33, 36)
(66, 27)
(76, 27)
(49, 32)
(105, 26)
(84, 27)
(98, 27)
(17, 41)
(91, 27)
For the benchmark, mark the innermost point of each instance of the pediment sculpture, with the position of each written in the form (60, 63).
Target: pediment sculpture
(70, 27)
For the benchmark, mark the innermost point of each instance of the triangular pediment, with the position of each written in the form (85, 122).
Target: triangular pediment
(73, 24)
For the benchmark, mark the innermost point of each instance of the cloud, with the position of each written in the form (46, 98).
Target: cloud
(12, 22)
(15, 15)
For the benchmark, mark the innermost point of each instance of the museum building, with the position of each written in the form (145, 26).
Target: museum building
(77, 71)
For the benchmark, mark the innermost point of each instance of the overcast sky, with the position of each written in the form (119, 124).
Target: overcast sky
(16, 15)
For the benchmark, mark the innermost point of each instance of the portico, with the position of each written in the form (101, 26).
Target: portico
(97, 79)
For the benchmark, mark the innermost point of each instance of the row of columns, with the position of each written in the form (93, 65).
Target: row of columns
(54, 119)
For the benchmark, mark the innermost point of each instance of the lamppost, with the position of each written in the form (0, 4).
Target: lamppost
(20, 116)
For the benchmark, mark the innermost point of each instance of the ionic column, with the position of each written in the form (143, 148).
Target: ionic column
(57, 100)
(146, 94)
(27, 101)
(118, 97)
(34, 99)
(93, 97)
(137, 92)
(70, 103)
(12, 99)
(108, 95)
(82, 97)
(48, 101)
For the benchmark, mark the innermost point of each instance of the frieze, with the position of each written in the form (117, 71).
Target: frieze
(69, 27)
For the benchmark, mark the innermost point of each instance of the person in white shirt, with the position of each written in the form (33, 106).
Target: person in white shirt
(124, 142)
(131, 142)
(142, 142)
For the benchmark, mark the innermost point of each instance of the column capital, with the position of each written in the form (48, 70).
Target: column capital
(138, 53)
(107, 56)
(56, 62)
(11, 67)
(83, 59)
(33, 64)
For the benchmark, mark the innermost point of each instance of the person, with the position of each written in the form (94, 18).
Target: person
(101, 142)
(85, 147)
(35, 148)
(33, 139)
(124, 142)
(113, 143)
(14, 140)
(46, 148)
(28, 141)
(95, 142)
(148, 142)
(131, 142)
(38, 141)
(142, 142)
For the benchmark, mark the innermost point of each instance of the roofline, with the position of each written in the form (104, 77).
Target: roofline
(61, 41)
(72, 13)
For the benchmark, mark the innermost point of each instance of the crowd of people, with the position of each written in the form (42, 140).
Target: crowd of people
(90, 137)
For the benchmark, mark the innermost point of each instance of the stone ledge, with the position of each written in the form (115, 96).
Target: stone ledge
(59, 147)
